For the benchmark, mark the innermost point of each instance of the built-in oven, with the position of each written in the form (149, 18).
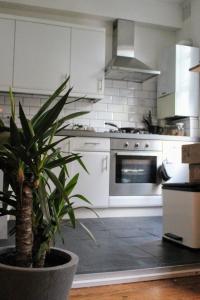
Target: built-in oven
(134, 167)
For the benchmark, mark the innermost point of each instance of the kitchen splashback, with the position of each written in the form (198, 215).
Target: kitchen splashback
(124, 104)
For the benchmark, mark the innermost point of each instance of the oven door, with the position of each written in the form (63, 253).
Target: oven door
(134, 173)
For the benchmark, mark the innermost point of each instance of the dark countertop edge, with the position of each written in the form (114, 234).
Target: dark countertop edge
(85, 133)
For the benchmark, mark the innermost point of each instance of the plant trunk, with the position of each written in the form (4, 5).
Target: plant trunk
(39, 263)
(39, 252)
(24, 240)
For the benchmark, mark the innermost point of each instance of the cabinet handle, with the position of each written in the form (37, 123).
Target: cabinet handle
(92, 143)
(106, 162)
(100, 84)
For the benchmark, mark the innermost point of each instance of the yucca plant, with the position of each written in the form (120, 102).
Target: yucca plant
(28, 158)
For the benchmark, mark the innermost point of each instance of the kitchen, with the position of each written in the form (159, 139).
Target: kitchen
(113, 186)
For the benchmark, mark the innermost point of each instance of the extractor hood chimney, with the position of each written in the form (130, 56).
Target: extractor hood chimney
(124, 65)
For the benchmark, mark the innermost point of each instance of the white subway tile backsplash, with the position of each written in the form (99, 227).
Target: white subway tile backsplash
(91, 115)
(136, 118)
(124, 104)
(150, 85)
(107, 99)
(134, 101)
(131, 108)
(126, 92)
(30, 101)
(97, 123)
(32, 110)
(120, 84)
(2, 99)
(119, 100)
(115, 108)
(108, 83)
(100, 107)
(112, 91)
(120, 116)
(128, 124)
(80, 121)
(105, 116)
(134, 85)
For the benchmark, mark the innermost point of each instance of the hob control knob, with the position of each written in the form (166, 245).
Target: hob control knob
(137, 145)
(126, 144)
(146, 145)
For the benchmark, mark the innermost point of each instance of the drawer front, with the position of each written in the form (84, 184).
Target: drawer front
(89, 144)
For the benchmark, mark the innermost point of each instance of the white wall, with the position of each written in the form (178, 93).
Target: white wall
(149, 42)
(191, 26)
(166, 13)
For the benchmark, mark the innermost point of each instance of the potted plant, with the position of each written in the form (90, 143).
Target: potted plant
(28, 157)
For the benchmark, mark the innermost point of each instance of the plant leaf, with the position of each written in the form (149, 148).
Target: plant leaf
(71, 184)
(44, 107)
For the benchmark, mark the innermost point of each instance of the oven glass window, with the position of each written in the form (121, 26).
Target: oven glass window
(136, 169)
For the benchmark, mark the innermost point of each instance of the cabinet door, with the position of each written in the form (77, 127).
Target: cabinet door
(95, 185)
(187, 83)
(7, 28)
(42, 56)
(166, 81)
(87, 62)
(172, 155)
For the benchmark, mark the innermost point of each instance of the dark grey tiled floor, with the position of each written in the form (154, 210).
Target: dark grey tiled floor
(122, 244)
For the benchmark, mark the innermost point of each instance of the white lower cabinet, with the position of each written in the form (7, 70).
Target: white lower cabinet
(96, 157)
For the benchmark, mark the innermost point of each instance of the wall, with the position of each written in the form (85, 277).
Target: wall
(149, 42)
(165, 13)
(124, 104)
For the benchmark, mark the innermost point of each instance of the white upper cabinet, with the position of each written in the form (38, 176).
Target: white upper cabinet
(36, 57)
(178, 88)
(87, 62)
(167, 65)
(42, 57)
(7, 29)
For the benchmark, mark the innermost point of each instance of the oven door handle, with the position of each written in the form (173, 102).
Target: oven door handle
(139, 153)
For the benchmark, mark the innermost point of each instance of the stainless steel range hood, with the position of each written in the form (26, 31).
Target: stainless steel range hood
(124, 65)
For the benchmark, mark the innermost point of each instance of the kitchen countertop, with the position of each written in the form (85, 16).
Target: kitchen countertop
(85, 133)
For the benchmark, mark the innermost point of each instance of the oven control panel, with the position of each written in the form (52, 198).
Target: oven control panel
(136, 145)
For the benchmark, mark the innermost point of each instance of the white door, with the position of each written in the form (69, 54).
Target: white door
(87, 61)
(95, 185)
(7, 28)
(42, 56)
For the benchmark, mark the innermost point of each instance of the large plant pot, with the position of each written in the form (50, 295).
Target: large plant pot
(50, 283)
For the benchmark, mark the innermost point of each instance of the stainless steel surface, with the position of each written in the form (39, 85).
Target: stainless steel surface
(138, 145)
(127, 136)
(126, 129)
(134, 150)
(124, 65)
